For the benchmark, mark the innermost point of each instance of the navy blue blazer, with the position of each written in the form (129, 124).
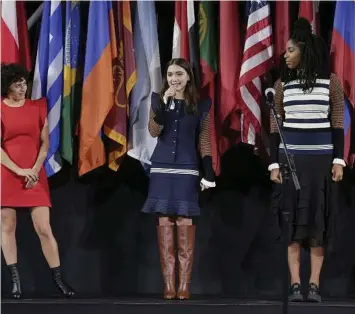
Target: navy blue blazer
(178, 141)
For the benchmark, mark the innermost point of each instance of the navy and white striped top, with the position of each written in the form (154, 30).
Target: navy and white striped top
(306, 125)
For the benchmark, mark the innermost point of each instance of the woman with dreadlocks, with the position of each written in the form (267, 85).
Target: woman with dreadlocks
(309, 101)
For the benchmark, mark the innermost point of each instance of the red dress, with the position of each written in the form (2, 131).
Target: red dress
(21, 140)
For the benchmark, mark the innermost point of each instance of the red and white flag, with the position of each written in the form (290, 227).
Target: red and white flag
(310, 11)
(257, 60)
(14, 34)
(185, 38)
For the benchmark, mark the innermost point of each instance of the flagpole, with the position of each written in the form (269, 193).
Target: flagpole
(35, 16)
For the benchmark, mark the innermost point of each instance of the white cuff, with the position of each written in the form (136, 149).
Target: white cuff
(273, 166)
(339, 162)
(208, 183)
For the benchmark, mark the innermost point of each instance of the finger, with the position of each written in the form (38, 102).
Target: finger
(34, 173)
(33, 177)
(28, 178)
(279, 177)
(29, 184)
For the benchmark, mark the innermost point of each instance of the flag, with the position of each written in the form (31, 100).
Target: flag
(71, 57)
(227, 114)
(124, 76)
(48, 77)
(282, 27)
(15, 46)
(208, 63)
(343, 61)
(97, 95)
(185, 37)
(147, 59)
(310, 11)
(257, 60)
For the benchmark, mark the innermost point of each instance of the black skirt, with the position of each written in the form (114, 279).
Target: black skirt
(314, 209)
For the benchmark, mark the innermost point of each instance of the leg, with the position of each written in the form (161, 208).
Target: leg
(165, 231)
(9, 247)
(294, 258)
(8, 235)
(186, 246)
(40, 218)
(317, 258)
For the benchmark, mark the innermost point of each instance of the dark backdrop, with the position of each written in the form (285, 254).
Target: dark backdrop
(108, 248)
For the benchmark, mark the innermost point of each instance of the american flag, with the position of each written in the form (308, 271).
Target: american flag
(257, 60)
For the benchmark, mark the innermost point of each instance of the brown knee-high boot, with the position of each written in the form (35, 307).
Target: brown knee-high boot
(167, 259)
(186, 246)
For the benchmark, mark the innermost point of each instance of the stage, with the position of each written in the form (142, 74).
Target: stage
(158, 306)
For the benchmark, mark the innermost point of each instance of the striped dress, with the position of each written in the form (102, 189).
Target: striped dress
(312, 123)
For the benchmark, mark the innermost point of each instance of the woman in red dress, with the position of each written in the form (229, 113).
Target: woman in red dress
(24, 146)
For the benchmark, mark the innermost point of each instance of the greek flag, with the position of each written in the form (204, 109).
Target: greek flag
(146, 47)
(48, 77)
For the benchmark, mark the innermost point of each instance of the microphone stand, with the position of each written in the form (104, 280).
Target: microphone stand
(287, 170)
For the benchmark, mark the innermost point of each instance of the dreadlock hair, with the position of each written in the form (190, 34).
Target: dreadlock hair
(314, 61)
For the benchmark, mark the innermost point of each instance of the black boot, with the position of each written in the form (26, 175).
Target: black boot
(64, 288)
(16, 284)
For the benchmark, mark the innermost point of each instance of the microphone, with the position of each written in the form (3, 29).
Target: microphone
(170, 103)
(270, 94)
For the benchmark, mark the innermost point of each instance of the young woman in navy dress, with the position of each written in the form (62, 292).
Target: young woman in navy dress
(310, 101)
(181, 123)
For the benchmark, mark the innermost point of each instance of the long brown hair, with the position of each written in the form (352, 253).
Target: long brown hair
(190, 93)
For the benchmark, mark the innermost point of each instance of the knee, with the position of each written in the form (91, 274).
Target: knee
(182, 221)
(294, 248)
(8, 225)
(166, 221)
(44, 231)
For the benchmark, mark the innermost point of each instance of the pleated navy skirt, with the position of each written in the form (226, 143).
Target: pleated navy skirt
(173, 190)
(314, 209)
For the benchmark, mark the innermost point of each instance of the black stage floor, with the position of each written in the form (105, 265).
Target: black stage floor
(156, 305)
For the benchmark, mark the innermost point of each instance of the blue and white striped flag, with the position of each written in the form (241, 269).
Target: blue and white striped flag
(147, 57)
(48, 77)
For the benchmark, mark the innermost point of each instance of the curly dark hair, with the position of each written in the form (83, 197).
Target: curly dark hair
(11, 73)
(191, 94)
(314, 57)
